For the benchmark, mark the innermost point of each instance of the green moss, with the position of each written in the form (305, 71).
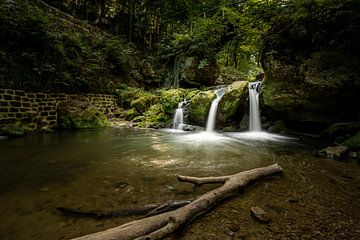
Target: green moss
(155, 117)
(76, 114)
(171, 98)
(13, 131)
(142, 103)
(130, 114)
(353, 143)
(233, 102)
(90, 118)
(199, 107)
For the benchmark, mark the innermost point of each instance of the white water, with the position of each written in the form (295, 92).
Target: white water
(255, 121)
(178, 120)
(210, 125)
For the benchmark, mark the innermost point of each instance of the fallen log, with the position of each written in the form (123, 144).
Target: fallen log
(158, 226)
(147, 210)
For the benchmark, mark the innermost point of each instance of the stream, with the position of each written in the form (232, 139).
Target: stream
(121, 168)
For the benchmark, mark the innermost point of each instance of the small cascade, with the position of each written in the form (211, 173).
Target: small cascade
(255, 121)
(178, 120)
(210, 125)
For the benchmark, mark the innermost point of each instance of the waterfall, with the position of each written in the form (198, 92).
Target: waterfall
(178, 120)
(255, 122)
(213, 109)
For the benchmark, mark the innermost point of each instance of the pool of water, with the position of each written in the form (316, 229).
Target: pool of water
(124, 168)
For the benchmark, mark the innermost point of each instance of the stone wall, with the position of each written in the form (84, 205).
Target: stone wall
(37, 111)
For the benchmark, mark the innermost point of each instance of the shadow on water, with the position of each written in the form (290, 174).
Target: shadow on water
(123, 168)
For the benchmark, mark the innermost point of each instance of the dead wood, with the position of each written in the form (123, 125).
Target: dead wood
(158, 226)
(147, 210)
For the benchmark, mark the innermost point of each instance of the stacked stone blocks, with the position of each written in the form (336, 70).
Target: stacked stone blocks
(38, 111)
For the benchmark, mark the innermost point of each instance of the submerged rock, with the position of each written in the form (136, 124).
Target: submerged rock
(191, 128)
(338, 152)
(260, 215)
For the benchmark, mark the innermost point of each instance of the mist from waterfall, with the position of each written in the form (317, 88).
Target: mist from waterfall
(210, 126)
(255, 121)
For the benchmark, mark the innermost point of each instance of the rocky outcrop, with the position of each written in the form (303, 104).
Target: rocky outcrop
(338, 152)
(79, 113)
(199, 107)
(233, 104)
(312, 71)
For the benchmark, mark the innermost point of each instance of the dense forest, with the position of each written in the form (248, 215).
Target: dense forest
(172, 43)
(308, 50)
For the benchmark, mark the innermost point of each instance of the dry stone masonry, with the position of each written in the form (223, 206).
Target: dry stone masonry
(38, 111)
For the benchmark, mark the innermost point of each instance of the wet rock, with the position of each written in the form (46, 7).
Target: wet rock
(234, 228)
(353, 143)
(247, 236)
(233, 103)
(260, 215)
(199, 107)
(277, 127)
(229, 233)
(293, 200)
(338, 152)
(4, 138)
(191, 128)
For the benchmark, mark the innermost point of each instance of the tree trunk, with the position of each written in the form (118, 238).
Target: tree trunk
(158, 226)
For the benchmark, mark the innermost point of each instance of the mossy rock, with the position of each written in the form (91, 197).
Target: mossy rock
(199, 107)
(341, 130)
(155, 117)
(130, 114)
(142, 103)
(78, 114)
(170, 99)
(353, 143)
(13, 132)
(233, 103)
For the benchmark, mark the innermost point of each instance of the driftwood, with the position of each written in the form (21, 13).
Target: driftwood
(158, 226)
(147, 210)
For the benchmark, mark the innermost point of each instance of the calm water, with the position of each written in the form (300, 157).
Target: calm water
(123, 168)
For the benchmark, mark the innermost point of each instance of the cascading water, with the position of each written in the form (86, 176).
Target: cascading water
(178, 120)
(213, 109)
(255, 122)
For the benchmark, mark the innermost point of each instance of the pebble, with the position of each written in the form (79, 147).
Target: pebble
(260, 215)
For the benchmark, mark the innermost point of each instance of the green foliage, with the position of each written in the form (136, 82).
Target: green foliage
(353, 143)
(59, 54)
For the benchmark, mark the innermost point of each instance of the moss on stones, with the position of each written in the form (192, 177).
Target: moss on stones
(353, 143)
(78, 114)
(155, 117)
(171, 98)
(233, 102)
(199, 107)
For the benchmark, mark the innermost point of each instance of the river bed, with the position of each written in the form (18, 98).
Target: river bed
(123, 168)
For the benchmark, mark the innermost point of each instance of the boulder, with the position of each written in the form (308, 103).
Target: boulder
(341, 131)
(312, 73)
(353, 143)
(233, 104)
(199, 107)
(338, 152)
(79, 113)
(169, 99)
(142, 103)
(154, 117)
